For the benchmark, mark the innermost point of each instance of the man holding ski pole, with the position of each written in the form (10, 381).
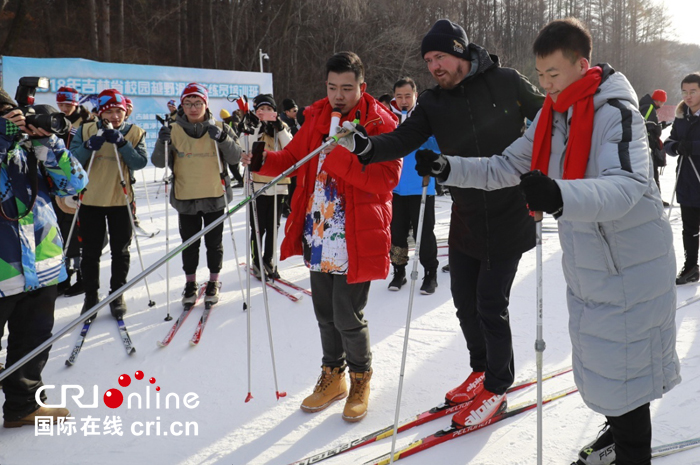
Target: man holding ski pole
(476, 110)
(618, 257)
(340, 219)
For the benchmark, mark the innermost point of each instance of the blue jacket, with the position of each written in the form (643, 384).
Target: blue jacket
(686, 127)
(31, 248)
(410, 183)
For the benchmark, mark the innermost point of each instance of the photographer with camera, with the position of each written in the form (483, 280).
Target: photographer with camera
(103, 144)
(34, 164)
(275, 133)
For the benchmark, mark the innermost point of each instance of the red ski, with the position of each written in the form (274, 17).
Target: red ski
(186, 310)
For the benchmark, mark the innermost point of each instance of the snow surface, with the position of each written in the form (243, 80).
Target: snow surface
(271, 431)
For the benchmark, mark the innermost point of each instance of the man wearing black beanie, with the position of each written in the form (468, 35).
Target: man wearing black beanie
(477, 109)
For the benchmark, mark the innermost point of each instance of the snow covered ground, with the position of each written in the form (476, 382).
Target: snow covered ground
(270, 431)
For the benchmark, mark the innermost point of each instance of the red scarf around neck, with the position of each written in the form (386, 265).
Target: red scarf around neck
(580, 95)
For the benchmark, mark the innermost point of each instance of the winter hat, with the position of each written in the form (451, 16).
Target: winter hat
(197, 90)
(264, 99)
(172, 102)
(68, 95)
(5, 99)
(110, 98)
(659, 95)
(129, 103)
(288, 104)
(446, 36)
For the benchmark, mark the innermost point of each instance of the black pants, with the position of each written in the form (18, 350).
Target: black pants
(94, 221)
(691, 226)
(236, 172)
(632, 435)
(481, 292)
(405, 212)
(213, 240)
(265, 206)
(339, 311)
(29, 318)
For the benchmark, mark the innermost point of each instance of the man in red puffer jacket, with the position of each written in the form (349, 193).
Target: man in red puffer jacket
(340, 223)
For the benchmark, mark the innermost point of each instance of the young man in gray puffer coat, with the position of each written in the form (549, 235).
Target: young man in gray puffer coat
(617, 244)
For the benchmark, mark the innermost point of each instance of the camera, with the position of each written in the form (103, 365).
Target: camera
(55, 123)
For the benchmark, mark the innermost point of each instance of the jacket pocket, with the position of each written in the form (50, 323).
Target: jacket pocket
(605, 248)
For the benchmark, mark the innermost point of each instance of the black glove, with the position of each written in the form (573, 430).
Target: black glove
(429, 163)
(665, 124)
(685, 148)
(113, 136)
(216, 133)
(164, 134)
(95, 143)
(277, 124)
(541, 193)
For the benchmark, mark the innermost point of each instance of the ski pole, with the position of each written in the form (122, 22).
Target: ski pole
(80, 200)
(222, 175)
(166, 181)
(274, 231)
(539, 342)
(148, 198)
(414, 277)
(675, 186)
(151, 303)
(177, 250)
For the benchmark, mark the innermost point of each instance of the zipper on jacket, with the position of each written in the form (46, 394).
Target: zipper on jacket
(607, 252)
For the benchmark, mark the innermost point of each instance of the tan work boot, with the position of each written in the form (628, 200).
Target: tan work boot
(331, 386)
(356, 405)
(56, 413)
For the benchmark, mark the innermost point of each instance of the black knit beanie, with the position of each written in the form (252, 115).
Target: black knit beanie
(264, 99)
(446, 36)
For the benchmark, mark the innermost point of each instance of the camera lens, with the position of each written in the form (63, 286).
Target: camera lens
(55, 123)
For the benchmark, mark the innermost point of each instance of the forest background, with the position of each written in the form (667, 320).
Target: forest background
(635, 36)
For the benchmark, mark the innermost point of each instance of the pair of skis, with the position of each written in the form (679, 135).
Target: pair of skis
(295, 295)
(123, 335)
(434, 413)
(186, 310)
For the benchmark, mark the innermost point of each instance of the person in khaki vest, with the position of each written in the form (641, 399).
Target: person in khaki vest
(276, 135)
(104, 206)
(197, 195)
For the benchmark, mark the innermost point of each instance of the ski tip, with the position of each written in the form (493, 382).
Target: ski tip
(132, 351)
(280, 394)
(161, 344)
(298, 296)
(70, 364)
(194, 343)
(168, 318)
(249, 397)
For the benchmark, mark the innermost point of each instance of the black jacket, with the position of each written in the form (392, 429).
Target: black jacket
(654, 129)
(686, 127)
(480, 117)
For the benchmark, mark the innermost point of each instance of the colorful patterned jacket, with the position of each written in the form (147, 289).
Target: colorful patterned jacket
(31, 248)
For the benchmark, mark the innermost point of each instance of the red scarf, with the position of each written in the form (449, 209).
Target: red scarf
(580, 95)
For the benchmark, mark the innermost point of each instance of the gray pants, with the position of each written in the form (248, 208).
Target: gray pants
(344, 333)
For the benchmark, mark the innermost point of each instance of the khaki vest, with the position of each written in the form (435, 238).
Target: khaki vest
(104, 188)
(76, 124)
(269, 147)
(195, 167)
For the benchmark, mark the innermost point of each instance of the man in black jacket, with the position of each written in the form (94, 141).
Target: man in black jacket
(476, 110)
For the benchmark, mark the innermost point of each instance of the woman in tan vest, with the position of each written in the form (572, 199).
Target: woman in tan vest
(104, 206)
(276, 135)
(197, 196)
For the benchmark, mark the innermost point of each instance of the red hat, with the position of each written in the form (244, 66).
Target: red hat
(659, 95)
(129, 103)
(197, 90)
(68, 95)
(110, 98)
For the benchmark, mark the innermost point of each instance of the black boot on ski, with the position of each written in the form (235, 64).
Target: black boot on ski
(118, 307)
(211, 294)
(689, 274)
(601, 451)
(399, 278)
(429, 282)
(92, 298)
(189, 295)
(446, 268)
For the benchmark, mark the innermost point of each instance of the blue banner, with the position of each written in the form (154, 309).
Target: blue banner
(149, 87)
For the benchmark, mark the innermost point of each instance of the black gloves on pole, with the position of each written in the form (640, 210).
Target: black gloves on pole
(429, 163)
(541, 193)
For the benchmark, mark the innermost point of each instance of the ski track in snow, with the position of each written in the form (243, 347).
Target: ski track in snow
(276, 432)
